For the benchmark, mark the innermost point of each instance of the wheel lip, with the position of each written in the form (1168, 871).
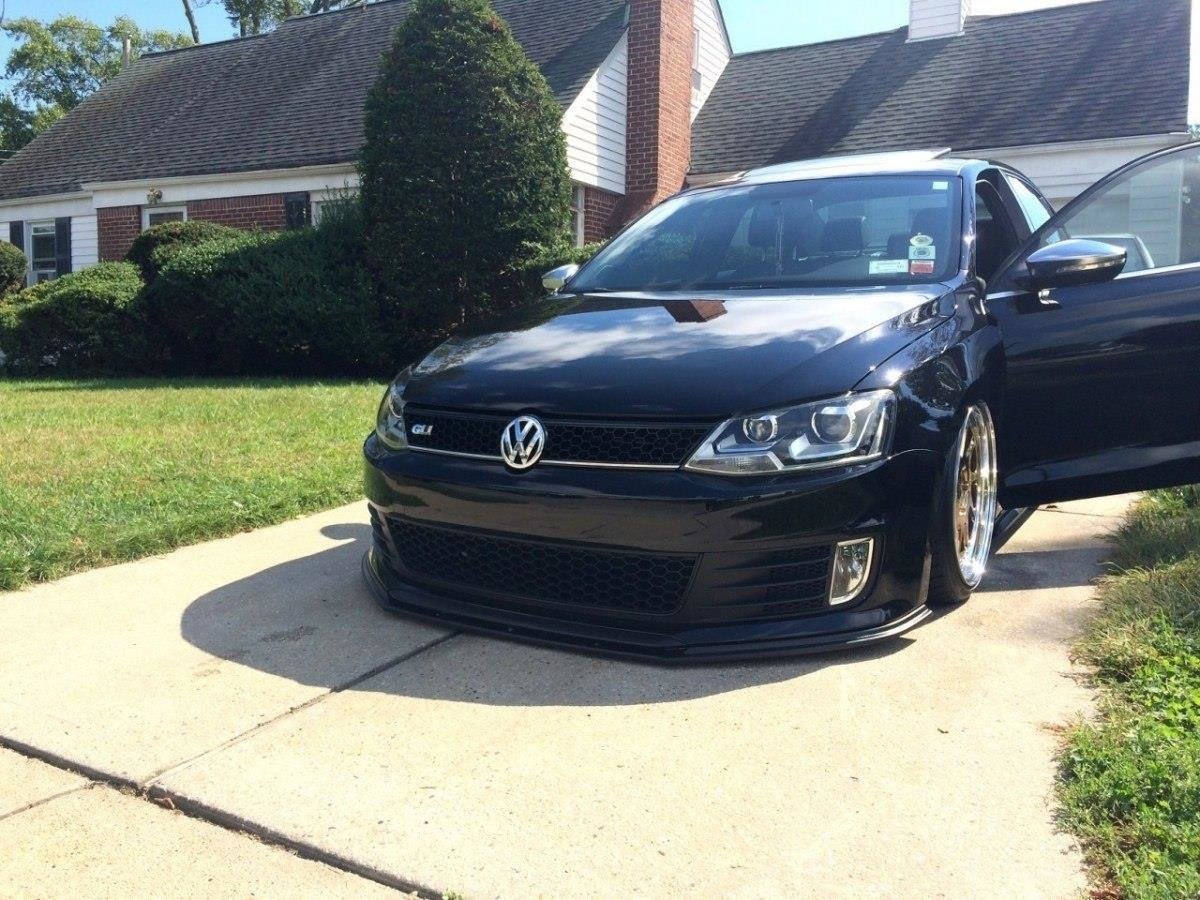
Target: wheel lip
(972, 559)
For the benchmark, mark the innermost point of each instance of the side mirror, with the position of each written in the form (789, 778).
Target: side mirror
(1071, 264)
(556, 279)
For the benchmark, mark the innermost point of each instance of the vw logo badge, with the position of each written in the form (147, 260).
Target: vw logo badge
(522, 443)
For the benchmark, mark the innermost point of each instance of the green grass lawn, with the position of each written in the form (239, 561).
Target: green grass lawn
(1131, 781)
(93, 473)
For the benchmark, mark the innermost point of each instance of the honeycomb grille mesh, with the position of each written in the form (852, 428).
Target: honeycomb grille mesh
(577, 442)
(544, 572)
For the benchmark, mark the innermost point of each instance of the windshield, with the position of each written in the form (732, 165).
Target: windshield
(830, 232)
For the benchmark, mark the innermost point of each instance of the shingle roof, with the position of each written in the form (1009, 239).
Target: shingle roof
(293, 97)
(1097, 70)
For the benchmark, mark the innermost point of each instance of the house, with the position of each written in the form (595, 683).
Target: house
(263, 131)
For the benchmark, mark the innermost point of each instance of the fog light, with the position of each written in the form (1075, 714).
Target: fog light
(851, 568)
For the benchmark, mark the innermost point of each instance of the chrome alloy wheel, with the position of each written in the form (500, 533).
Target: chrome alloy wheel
(975, 494)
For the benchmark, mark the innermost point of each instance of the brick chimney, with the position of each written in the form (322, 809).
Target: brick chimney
(659, 135)
(929, 19)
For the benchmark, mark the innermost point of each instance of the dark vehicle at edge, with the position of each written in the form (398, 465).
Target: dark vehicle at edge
(793, 411)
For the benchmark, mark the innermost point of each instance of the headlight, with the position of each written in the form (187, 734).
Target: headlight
(851, 429)
(389, 421)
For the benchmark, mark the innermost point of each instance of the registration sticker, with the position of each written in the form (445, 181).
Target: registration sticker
(929, 252)
(921, 240)
(941, 185)
(921, 267)
(888, 266)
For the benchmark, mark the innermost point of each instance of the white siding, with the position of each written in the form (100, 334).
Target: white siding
(85, 245)
(595, 125)
(1063, 171)
(714, 52)
(936, 18)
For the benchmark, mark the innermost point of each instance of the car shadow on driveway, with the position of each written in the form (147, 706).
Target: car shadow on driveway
(286, 620)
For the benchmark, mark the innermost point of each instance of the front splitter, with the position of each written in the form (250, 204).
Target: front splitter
(725, 643)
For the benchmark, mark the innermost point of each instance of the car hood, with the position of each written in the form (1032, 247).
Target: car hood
(665, 356)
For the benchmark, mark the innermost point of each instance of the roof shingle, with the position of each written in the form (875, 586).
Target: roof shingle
(1096, 70)
(290, 98)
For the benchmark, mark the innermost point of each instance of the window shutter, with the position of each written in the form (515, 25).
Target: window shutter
(297, 210)
(62, 245)
(16, 235)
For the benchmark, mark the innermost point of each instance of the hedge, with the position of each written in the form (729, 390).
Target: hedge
(13, 267)
(155, 247)
(284, 303)
(88, 323)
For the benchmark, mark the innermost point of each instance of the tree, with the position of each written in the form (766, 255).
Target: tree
(464, 171)
(257, 16)
(56, 65)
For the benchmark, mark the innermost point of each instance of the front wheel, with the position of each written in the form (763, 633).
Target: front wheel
(965, 511)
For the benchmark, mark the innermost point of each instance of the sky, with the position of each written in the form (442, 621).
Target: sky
(753, 24)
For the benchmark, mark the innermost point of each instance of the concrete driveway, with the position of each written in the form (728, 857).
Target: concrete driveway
(251, 684)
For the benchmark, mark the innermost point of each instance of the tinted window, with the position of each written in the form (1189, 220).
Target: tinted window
(823, 232)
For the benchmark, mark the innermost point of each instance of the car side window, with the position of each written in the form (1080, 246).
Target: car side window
(1153, 211)
(1036, 210)
(995, 236)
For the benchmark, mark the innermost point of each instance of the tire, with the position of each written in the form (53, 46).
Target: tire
(965, 511)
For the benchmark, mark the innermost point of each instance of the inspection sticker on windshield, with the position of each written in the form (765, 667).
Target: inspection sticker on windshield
(921, 240)
(921, 267)
(888, 267)
(941, 185)
(929, 252)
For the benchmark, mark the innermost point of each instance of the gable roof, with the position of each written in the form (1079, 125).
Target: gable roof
(293, 97)
(1096, 70)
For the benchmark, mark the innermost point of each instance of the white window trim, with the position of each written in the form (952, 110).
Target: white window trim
(579, 210)
(31, 273)
(170, 208)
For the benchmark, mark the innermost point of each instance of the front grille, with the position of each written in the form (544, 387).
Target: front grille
(599, 443)
(542, 571)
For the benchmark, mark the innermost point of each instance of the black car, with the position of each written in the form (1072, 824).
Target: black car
(795, 410)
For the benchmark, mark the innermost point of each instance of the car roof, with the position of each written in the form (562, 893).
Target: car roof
(931, 162)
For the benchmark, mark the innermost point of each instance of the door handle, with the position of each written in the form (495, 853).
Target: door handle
(1045, 301)
(1036, 303)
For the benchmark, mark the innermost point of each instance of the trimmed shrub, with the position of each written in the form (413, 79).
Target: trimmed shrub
(154, 247)
(13, 266)
(282, 303)
(464, 170)
(87, 323)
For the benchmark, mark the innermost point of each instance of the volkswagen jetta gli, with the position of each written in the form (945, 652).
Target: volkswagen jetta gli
(794, 410)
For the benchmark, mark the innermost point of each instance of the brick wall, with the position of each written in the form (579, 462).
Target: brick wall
(264, 211)
(599, 207)
(117, 226)
(659, 141)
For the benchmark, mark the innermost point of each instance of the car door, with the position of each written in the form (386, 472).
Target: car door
(1103, 379)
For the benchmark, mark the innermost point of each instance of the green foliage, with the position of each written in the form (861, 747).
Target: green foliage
(13, 266)
(257, 16)
(285, 303)
(155, 247)
(464, 170)
(1131, 781)
(86, 323)
(56, 65)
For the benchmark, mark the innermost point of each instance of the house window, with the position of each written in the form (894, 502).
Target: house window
(578, 200)
(323, 208)
(159, 215)
(41, 246)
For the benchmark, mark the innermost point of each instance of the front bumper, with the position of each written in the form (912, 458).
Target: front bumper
(739, 536)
